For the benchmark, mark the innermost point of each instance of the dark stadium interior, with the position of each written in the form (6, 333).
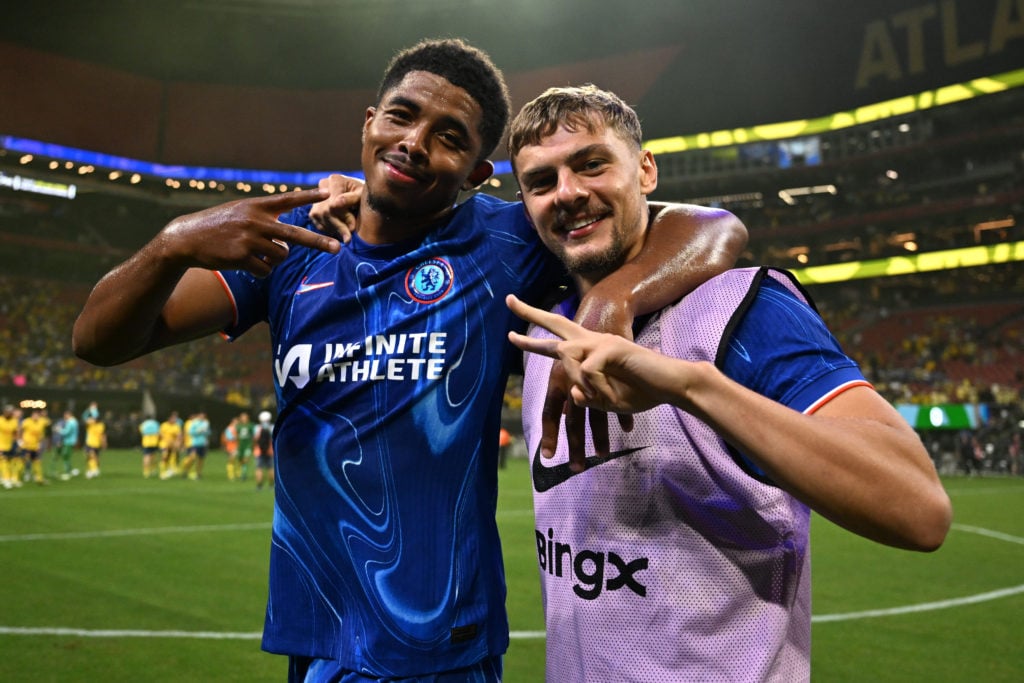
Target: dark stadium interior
(168, 83)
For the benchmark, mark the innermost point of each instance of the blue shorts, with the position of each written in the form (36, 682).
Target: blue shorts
(312, 670)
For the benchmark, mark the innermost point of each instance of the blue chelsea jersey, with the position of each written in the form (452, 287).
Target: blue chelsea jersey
(390, 365)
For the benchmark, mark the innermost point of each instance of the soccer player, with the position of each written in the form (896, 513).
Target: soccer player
(68, 442)
(229, 441)
(95, 444)
(264, 449)
(91, 411)
(10, 426)
(186, 441)
(246, 439)
(33, 438)
(683, 554)
(504, 446)
(170, 445)
(197, 441)
(149, 433)
(390, 362)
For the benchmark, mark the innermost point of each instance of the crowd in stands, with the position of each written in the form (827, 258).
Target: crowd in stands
(929, 333)
(36, 317)
(949, 337)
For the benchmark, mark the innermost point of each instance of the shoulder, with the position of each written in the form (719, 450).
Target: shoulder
(492, 212)
(488, 203)
(747, 281)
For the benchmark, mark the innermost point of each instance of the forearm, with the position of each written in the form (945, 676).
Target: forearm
(864, 470)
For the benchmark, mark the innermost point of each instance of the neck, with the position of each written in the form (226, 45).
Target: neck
(376, 227)
(584, 283)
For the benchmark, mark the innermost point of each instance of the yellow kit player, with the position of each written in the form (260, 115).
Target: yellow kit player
(229, 440)
(33, 436)
(8, 447)
(95, 442)
(170, 445)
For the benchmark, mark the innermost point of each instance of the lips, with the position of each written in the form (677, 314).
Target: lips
(583, 226)
(399, 168)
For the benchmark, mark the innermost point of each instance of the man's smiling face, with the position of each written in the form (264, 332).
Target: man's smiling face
(420, 148)
(585, 192)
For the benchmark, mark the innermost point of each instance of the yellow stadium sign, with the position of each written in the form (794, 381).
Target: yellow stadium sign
(949, 259)
(866, 114)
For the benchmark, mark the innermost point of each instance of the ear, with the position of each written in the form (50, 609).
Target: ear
(483, 170)
(370, 111)
(648, 172)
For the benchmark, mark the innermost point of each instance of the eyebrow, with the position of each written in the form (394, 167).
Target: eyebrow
(581, 153)
(454, 122)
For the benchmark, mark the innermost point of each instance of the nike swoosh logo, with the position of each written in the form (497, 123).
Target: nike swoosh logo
(546, 478)
(309, 287)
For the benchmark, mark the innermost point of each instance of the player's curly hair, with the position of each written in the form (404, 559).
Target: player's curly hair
(464, 66)
(578, 107)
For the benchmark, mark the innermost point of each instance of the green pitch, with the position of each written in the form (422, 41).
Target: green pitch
(124, 579)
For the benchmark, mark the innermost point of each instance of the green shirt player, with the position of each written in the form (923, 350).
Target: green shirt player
(245, 431)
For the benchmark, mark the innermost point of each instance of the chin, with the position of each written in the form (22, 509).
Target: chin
(388, 205)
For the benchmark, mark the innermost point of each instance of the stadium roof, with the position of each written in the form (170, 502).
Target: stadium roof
(687, 66)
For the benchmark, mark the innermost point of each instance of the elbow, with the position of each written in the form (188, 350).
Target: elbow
(734, 231)
(932, 520)
(80, 346)
(88, 353)
(730, 239)
(85, 346)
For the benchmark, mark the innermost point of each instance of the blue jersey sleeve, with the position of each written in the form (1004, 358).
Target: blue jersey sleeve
(782, 349)
(249, 293)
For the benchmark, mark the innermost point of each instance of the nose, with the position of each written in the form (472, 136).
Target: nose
(414, 142)
(570, 190)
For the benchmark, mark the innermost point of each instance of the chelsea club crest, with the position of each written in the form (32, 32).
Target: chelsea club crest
(429, 281)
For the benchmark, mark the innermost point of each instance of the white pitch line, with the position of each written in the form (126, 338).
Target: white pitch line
(49, 493)
(923, 607)
(198, 635)
(981, 531)
(113, 633)
(113, 533)
(527, 635)
(515, 635)
(939, 604)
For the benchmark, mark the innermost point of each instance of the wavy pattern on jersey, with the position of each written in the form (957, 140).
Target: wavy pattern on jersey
(385, 552)
(385, 531)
